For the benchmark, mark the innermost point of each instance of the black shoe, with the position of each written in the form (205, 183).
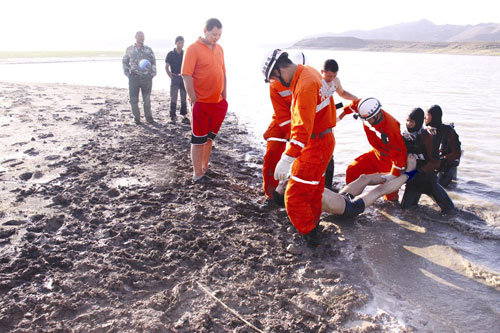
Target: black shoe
(186, 121)
(150, 120)
(202, 181)
(173, 120)
(268, 204)
(313, 238)
(279, 199)
(137, 121)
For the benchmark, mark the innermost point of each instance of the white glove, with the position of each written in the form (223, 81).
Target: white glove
(388, 177)
(283, 167)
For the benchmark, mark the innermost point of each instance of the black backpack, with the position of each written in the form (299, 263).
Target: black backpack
(444, 147)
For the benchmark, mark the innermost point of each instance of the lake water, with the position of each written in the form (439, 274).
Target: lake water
(466, 87)
(468, 90)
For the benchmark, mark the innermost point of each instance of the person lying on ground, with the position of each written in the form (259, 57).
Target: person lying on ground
(352, 201)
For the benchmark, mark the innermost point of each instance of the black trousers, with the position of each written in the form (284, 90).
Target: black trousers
(329, 174)
(426, 183)
(446, 175)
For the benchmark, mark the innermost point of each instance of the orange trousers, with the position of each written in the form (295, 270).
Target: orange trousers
(305, 188)
(276, 143)
(367, 164)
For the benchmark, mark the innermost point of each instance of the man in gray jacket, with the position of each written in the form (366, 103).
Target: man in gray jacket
(139, 65)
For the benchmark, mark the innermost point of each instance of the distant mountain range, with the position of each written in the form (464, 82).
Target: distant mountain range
(419, 36)
(426, 31)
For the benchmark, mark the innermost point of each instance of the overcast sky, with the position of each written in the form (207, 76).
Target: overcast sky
(102, 24)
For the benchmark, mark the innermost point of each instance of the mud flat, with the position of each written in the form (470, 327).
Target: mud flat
(102, 229)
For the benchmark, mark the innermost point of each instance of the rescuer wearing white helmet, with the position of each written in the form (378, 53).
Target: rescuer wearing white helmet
(384, 135)
(311, 141)
(278, 131)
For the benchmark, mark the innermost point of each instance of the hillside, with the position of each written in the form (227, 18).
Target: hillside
(420, 36)
(351, 43)
(426, 31)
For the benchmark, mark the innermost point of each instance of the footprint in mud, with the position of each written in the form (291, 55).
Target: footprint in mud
(54, 223)
(31, 152)
(14, 222)
(45, 136)
(26, 176)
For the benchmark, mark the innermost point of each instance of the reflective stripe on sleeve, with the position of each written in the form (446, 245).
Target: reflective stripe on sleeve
(298, 143)
(277, 139)
(323, 104)
(396, 167)
(285, 93)
(309, 182)
(285, 123)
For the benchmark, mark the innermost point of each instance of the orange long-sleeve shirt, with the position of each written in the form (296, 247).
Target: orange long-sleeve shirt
(385, 137)
(311, 111)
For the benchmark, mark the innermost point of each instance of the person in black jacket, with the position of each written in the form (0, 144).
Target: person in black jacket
(449, 146)
(424, 144)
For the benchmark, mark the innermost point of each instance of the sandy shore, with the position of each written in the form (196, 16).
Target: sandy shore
(102, 229)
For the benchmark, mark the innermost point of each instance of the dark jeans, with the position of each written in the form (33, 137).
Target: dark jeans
(143, 84)
(426, 183)
(176, 85)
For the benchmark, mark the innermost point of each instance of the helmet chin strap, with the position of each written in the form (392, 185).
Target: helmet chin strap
(283, 81)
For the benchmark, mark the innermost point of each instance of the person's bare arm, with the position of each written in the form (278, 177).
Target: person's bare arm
(188, 83)
(167, 69)
(344, 93)
(224, 91)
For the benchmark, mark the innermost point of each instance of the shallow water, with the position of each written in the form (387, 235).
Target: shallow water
(426, 274)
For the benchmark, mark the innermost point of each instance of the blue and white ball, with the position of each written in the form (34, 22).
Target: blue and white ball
(144, 65)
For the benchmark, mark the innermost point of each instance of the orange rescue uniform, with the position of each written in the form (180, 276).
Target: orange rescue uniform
(312, 143)
(388, 153)
(207, 68)
(277, 134)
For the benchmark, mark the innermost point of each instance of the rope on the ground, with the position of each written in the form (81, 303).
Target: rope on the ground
(228, 308)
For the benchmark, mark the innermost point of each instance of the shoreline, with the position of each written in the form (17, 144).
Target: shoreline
(102, 228)
(368, 45)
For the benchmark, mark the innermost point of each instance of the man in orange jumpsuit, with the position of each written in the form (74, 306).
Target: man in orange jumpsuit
(277, 135)
(384, 135)
(311, 140)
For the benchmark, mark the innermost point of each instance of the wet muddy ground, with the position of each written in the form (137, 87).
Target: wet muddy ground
(102, 229)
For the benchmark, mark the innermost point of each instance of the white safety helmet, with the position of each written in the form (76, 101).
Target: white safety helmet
(269, 63)
(298, 58)
(369, 107)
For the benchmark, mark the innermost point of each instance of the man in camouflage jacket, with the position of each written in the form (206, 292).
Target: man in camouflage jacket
(140, 79)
